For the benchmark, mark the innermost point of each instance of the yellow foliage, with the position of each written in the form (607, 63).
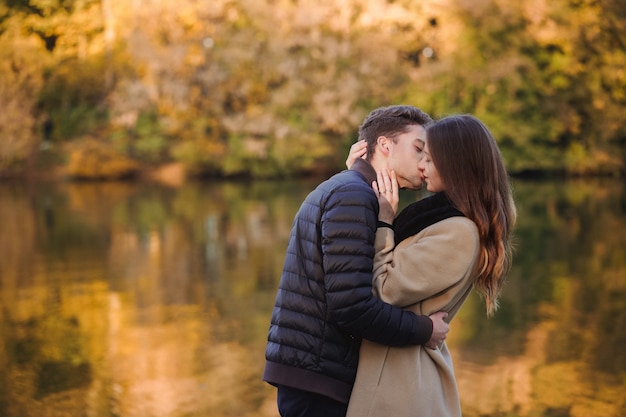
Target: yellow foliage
(93, 159)
(20, 79)
(542, 74)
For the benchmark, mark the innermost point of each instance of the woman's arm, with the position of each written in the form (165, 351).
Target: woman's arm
(426, 264)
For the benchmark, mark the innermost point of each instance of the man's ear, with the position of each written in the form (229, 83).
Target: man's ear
(382, 144)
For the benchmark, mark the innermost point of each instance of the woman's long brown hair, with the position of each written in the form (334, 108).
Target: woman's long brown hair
(471, 167)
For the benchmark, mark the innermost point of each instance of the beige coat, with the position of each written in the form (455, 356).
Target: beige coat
(426, 273)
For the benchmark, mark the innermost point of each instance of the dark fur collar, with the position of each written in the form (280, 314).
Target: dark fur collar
(421, 214)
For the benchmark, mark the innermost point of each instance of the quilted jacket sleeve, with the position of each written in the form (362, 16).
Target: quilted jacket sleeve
(348, 231)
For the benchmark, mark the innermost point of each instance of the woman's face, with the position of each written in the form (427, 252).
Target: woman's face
(429, 172)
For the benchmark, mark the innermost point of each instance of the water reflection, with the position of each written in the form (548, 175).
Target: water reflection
(121, 299)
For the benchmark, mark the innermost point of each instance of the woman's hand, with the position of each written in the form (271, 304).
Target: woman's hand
(357, 150)
(386, 188)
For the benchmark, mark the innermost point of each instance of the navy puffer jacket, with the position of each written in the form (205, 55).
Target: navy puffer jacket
(324, 304)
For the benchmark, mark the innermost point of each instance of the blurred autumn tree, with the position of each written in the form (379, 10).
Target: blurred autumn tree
(547, 77)
(279, 87)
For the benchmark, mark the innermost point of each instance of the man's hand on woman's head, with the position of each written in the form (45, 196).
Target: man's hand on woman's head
(357, 150)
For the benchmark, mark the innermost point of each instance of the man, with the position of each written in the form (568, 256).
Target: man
(324, 305)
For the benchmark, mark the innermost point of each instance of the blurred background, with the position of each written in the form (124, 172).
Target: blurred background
(153, 154)
(266, 88)
(138, 300)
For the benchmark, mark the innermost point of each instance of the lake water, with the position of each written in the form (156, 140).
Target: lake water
(126, 299)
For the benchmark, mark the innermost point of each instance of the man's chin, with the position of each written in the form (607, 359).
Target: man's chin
(412, 187)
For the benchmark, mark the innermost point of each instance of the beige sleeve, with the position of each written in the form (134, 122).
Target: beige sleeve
(426, 264)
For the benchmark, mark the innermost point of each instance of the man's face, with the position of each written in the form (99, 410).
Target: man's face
(405, 155)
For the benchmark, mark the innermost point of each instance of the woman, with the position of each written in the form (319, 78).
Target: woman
(438, 249)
